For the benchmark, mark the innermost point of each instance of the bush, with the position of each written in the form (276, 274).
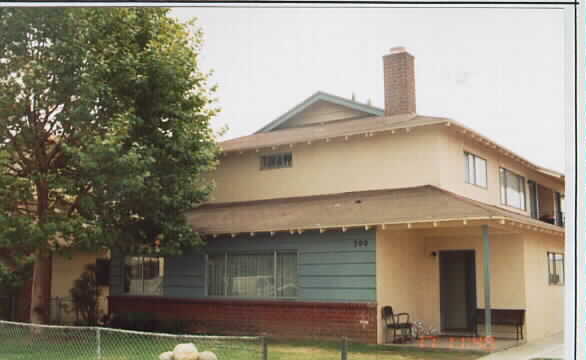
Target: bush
(85, 294)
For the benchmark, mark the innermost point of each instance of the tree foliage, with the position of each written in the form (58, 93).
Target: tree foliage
(14, 273)
(104, 130)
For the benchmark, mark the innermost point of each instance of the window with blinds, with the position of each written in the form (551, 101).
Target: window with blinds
(262, 274)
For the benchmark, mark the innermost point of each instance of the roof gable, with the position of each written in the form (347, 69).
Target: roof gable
(310, 109)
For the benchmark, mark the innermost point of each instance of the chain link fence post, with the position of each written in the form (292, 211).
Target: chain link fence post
(99, 343)
(344, 348)
(264, 348)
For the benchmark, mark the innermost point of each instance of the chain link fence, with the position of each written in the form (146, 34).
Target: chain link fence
(19, 341)
(62, 311)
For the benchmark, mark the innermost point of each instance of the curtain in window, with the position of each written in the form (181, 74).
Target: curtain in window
(286, 275)
(216, 273)
(475, 170)
(503, 186)
(513, 190)
(480, 168)
(469, 168)
(133, 275)
(251, 275)
(143, 275)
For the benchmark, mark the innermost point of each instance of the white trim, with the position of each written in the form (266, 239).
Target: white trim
(545, 227)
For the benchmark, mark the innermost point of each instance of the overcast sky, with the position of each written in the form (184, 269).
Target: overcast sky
(497, 71)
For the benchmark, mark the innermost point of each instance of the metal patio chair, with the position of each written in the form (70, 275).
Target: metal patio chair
(400, 325)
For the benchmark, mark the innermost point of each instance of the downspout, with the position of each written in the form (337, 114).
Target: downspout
(487, 277)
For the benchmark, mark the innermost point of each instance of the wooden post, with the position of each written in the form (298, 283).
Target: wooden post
(344, 353)
(264, 348)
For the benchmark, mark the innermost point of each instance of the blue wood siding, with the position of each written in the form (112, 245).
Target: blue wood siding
(185, 276)
(329, 266)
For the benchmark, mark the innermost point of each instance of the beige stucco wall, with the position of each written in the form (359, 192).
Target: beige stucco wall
(545, 303)
(424, 156)
(66, 270)
(400, 257)
(452, 171)
(321, 112)
(381, 161)
(408, 274)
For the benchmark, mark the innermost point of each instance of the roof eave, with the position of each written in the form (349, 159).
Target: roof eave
(490, 143)
(328, 138)
(320, 96)
(409, 225)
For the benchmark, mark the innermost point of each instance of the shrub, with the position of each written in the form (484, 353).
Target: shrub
(85, 294)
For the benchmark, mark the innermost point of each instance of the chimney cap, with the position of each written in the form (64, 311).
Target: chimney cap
(398, 49)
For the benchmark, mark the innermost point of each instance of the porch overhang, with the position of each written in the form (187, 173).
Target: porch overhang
(425, 207)
(502, 223)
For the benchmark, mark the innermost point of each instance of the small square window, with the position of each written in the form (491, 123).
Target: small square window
(276, 161)
(555, 268)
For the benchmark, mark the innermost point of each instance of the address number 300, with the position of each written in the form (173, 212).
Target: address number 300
(360, 243)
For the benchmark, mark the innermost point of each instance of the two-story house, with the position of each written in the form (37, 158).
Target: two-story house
(338, 208)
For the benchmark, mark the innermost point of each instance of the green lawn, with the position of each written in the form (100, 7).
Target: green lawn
(320, 350)
(83, 346)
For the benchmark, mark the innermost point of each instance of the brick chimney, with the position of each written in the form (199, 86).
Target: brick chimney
(399, 77)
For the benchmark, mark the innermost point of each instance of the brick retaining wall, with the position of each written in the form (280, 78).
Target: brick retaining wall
(289, 319)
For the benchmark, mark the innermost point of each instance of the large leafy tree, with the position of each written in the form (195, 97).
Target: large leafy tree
(104, 134)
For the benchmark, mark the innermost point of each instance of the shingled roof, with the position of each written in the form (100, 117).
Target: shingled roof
(407, 205)
(330, 129)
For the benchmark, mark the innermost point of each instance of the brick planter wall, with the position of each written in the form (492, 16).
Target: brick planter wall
(288, 319)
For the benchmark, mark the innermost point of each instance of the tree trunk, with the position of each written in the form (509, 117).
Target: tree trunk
(41, 285)
(41, 288)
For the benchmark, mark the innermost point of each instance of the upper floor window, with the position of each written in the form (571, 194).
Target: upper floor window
(555, 268)
(534, 199)
(143, 275)
(276, 161)
(262, 274)
(475, 169)
(560, 207)
(512, 189)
